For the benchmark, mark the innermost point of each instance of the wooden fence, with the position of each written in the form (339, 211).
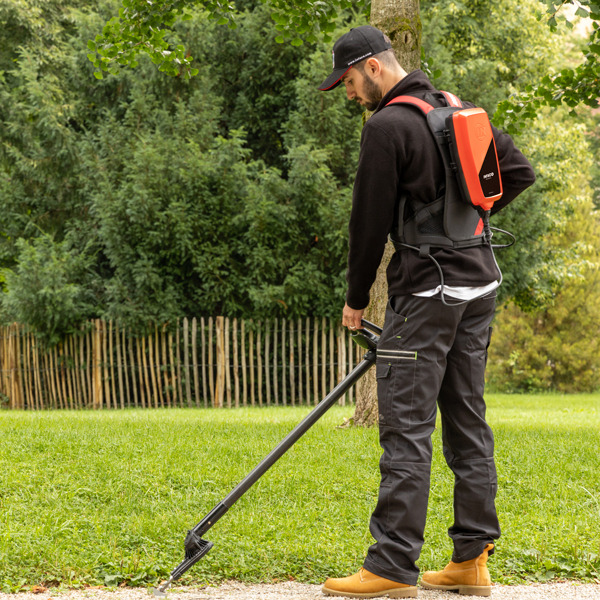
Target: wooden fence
(218, 362)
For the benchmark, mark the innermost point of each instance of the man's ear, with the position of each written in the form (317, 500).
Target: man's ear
(373, 67)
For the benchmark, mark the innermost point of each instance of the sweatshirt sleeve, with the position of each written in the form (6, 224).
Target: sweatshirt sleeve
(516, 171)
(373, 201)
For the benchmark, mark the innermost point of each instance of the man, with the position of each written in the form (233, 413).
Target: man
(434, 347)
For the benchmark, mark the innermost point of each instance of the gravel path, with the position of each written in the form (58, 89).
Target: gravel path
(300, 591)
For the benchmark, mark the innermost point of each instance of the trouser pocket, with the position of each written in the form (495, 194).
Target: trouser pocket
(489, 340)
(395, 389)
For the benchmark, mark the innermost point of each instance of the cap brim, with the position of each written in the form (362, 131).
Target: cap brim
(333, 80)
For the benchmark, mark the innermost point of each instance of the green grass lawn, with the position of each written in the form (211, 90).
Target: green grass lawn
(107, 497)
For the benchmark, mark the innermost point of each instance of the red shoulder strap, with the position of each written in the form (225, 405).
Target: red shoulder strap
(452, 100)
(424, 106)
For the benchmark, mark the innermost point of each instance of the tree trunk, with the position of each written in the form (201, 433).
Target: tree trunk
(400, 21)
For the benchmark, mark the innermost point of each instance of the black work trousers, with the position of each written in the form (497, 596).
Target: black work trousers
(429, 353)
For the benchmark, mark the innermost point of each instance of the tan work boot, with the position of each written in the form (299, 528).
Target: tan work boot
(365, 584)
(470, 578)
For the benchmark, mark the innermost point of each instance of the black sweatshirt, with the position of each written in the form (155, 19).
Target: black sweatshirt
(399, 155)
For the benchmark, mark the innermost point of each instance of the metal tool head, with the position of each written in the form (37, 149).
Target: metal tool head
(161, 590)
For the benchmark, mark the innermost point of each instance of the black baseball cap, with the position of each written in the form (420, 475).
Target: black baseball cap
(356, 45)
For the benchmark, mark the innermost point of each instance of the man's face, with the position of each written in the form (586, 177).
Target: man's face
(363, 89)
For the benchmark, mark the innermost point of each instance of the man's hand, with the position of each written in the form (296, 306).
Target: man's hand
(351, 318)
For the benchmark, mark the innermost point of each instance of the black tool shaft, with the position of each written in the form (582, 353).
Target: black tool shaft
(220, 509)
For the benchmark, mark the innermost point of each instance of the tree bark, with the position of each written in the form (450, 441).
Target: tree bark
(400, 21)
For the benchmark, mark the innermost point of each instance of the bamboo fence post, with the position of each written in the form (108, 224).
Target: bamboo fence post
(141, 373)
(323, 357)
(5, 372)
(67, 371)
(54, 362)
(236, 375)
(151, 368)
(105, 366)
(13, 387)
(11, 366)
(300, 362)
(344, 360)
(4, 354)
(38, 399)
(97, 354)
(340, 362)
(39, 374)
(29, 397)
(331, 355)
(307, 361)
(21, 375)
(110, 361)
(244, 378)
(172, 369)
(18, 368)
(203, 363)
(125, 376)
(316, 362)
(62, 376)
(150, 390)
(220, 362)
(49, 366)
(49, 381)
(157, 366)
(82, 368)
(36, 372)
(350, 367)
(259, 360)
(216, 403)
(292, 365)
(227, 364)
(283, 375)
(6, 364)
(195, 361)
(134, 387)
(2, 361)
(186, 361)
(268, 359)
(275, 378)
(178, 355)
(89, 365)
(165, 365)
(211, 373)
(119, 367)
(75, 372)
(251, 349)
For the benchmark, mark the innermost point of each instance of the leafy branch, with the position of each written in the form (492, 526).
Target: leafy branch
(571, 87)
(142, 27)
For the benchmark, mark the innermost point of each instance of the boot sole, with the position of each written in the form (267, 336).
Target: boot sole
(410, 592)
(465, 590)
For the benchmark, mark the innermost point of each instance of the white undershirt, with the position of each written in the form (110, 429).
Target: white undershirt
(460, 292)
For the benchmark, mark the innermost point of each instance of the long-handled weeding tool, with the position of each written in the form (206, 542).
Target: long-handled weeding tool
(195, 547)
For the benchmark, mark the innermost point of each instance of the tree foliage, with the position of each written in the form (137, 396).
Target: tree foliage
(566, 86)
(144, 27)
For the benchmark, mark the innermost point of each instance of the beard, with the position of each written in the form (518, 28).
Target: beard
(372, 93)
